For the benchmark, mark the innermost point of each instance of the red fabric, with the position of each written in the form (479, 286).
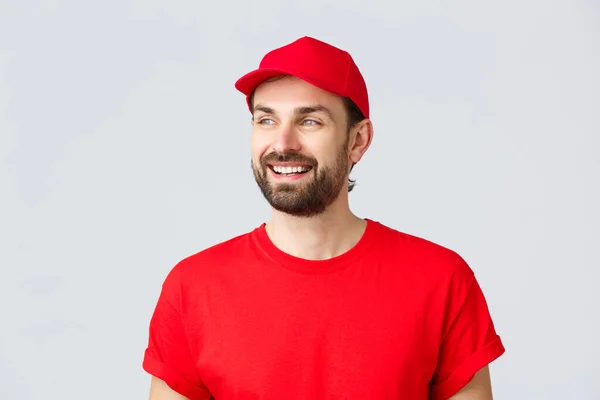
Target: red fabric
(396, 317)
(318, 63)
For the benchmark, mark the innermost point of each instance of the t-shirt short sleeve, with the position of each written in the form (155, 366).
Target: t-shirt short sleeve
(469, 340)
(168, 356)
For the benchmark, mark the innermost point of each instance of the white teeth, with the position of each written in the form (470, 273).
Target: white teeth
(289, 170)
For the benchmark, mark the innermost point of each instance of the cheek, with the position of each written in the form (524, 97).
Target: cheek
(258, 145)
(326, 153)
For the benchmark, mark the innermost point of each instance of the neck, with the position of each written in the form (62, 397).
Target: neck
(320, 237)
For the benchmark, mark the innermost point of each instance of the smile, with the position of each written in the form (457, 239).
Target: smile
(289, 170)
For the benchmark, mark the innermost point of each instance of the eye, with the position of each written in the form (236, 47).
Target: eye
(266, 121)
(310, 122)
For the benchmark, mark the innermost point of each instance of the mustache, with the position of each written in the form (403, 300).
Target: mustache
(287, 157)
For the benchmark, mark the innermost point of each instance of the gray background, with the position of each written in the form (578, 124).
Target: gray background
(124, 148)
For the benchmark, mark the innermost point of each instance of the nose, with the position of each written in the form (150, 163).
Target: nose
(286, 139)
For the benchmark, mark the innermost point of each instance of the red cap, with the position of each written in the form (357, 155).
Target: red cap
(315, 62)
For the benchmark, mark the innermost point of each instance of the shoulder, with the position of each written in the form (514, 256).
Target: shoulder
(423, 255)
(209, 262)
(218, 253)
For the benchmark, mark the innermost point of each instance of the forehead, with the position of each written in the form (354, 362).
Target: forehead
(288, 93)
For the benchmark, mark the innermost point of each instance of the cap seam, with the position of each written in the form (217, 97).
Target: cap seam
(347, 73)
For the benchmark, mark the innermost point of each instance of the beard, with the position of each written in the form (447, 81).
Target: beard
(308, 198)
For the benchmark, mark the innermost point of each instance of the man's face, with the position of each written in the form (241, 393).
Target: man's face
(299, 146)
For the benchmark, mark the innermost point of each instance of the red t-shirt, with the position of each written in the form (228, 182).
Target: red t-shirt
(395, 317)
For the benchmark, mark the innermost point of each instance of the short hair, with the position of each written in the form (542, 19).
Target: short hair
(354, 117)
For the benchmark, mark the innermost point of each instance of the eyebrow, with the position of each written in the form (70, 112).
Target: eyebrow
(266, 110)
(314, 109)
(299, 110)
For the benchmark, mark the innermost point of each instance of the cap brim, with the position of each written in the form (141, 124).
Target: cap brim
(247, 83)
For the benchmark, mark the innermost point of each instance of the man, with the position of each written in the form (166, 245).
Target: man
(318, 303)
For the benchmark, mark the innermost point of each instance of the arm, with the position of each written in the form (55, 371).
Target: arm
(168, 358)
(469, 342)
(159, 390)
(480, 387)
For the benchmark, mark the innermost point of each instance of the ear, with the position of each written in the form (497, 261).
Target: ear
(361, 137)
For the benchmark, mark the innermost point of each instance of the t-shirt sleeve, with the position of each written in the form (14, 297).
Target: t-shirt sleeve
(469, 340)
(168, 356)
